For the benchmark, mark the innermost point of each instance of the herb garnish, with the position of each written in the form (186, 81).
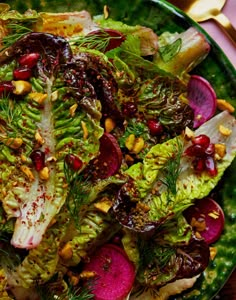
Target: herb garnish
(9, 113)
(154, 254)
(172, 168)
(78, 191)
(48, 292)
(171, 50)
(98, 41)
(17, 32)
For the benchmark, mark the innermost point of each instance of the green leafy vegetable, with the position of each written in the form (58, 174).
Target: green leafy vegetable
(181, 52)
(172, 169)
(17, 32)
(78, 193)
(98, 41)
(169, 51)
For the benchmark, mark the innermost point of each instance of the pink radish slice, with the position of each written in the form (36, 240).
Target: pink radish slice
(206, 211)
(115, 273)
(109, 160)
(116, 37)
(202, 99)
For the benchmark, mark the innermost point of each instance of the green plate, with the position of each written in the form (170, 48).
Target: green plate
(161, 16)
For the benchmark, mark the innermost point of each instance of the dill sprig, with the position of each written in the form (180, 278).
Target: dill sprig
(9, 113)
(17, 31)
(78, 192)
(84, 293)
(151, 253)
(98, 41)
(9, 258)
(49, 291)
(172, 168)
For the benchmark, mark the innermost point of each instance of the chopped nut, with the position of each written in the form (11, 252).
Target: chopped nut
(220, 151)
(224, 130)
(142, 206)
(129, 159)
(85, 130)
(198, 224)
(54, 96)
(39, 138)
(104, 205)
(38, 97)
(13, 143)
(27, 172)
(213, 252)
(23, 158)
(106, 11)
(109, 125)
(87, 274)
(214, 214)
(224, 105)
(73, 278)
(129, 143)
(21, 87)
(66, 252)
(138, 145)
(188, 133)
(198, 235)
(51, 159)
(44, 173)
(72, 109)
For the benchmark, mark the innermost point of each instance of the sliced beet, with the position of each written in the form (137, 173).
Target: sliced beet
(207, 218)
(109, 160)
(115, 273)
(115, 40)
(202, 99)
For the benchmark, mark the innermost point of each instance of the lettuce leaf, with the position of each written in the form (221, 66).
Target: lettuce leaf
(149, 179)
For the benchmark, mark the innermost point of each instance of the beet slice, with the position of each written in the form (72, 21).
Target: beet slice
(116, 37)
(109, 160)
(115, 273)
(207, 217)
(202, 99)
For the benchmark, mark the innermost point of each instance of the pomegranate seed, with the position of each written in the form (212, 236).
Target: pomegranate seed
(210, 150)
(155, 127)
(38, 159)
(22, 73)
(6, 87)
(195, 151)
(29, 60)
(202, 140)
(129, 109)
(73, 161)
(210, 166)
(199, 165)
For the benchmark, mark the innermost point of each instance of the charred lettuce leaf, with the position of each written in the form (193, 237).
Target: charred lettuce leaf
(67, 121)
(160, 98)
(163, 263)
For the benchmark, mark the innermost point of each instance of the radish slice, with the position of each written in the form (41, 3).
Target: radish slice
(207, 218)
(115, 273)
(116, 37)
(202, 99)
(109, 160)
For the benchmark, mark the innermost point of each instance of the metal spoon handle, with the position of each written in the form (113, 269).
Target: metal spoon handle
(226, 25)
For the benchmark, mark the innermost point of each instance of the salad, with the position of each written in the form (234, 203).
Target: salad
(111, 152)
